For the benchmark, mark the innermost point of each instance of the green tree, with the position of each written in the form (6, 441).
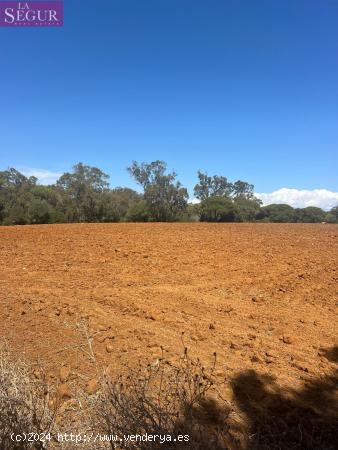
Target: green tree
(166, 198)
(39, 211)
(138, 212)
(241, 205)
(217, 209)
(246, 210)
(277, 213)
(15, 196)
(242, 189)
(84, 187)
(13, 179)
(330, 218)
(311, 214)
(210, 186)
(334, 213)
(118, 201)
(82, 177)
(193, 213)
(16, 215)
(51, 194)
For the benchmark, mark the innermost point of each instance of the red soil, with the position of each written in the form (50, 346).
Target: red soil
(263, 296)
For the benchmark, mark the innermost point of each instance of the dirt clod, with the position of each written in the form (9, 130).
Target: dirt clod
(92, 386)
(64, 374)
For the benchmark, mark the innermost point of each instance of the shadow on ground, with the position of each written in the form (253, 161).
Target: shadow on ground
(304, 419)
(277, 419)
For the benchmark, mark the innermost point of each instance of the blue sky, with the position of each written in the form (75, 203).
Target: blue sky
(242, 88)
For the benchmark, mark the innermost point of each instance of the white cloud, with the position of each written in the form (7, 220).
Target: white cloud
(43, 176)
(195, 201)
(301, 198)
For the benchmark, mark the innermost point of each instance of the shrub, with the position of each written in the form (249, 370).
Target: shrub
(138, 212)
(39, 211)
(160, 399)
(167, 401)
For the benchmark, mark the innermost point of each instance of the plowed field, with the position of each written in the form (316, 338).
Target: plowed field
(263, 296)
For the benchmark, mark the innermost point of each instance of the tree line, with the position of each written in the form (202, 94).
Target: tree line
(84, 195)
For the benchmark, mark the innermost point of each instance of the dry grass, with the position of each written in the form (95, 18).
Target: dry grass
(23, 404)
(167, 401)
(160, 399)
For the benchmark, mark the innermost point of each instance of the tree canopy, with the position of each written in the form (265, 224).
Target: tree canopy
(84, 195)
(212, 186)
(165, 197)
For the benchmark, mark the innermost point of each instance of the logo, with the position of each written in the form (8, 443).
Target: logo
(31, 14)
